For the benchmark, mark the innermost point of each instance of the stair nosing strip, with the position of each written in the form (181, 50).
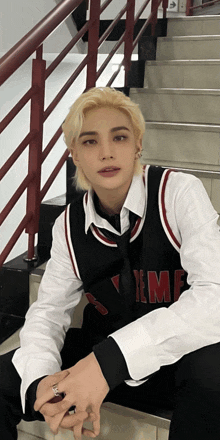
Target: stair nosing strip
(196, 17)
(189, 38)
(183, 62)
(174, 91)
(184, 126)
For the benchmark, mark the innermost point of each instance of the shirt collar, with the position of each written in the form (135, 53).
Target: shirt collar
(135, 202)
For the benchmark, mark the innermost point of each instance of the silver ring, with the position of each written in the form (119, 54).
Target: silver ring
(55, 390)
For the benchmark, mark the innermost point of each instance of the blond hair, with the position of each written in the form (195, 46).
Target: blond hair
(93, 99)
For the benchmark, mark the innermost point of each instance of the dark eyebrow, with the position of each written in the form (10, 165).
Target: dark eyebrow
(94, 133)
(88, 133)
(119, 128)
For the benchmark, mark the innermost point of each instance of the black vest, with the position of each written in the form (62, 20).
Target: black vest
(160, 278)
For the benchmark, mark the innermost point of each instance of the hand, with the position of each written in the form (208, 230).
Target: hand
(45, 386)
(84, 387)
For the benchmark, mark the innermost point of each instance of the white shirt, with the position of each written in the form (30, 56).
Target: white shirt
(162, 336)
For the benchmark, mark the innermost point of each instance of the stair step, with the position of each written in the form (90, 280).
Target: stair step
(190, 146)
(196, 47)
(182, 145)
(198, 74)
(179, 105)
(196, 25)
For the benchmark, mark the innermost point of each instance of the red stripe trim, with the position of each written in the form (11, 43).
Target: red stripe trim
(164, 210)
(135, 228)
(102, 237)
(107, 240)
(67, 242)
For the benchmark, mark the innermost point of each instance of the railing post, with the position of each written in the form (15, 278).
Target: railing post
(35, 149)
(154, 8)
(165, 6)
(129, 35)
(189, 4)
(93, 38)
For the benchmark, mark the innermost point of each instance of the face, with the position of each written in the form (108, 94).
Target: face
(106, 150)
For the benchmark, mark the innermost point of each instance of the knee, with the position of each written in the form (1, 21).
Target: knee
(9, 378)
(199, 372)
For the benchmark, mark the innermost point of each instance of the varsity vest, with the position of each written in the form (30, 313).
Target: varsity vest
(154, 256)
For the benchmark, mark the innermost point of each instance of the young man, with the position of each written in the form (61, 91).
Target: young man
(145, 249)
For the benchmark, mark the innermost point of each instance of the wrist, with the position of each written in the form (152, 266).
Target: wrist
(111, 362)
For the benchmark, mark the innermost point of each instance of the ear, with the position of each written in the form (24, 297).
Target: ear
(139, 145)
(75, 157)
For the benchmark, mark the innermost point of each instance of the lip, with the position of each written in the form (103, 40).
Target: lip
(109, 171)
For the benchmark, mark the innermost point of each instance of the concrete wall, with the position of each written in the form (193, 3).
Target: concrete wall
(17, 18)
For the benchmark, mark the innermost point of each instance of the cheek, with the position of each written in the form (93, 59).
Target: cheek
(87, 160)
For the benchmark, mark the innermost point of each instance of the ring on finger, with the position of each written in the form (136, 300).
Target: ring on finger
(55, 390)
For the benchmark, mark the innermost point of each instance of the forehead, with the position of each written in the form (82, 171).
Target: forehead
(105, 118)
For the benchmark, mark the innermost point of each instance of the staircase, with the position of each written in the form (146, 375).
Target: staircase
(181, 101)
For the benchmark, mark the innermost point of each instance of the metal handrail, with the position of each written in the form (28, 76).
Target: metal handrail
(19, 53)
(16, 56)
(190, 8)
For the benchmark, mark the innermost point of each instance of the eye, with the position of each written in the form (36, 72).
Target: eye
(120, 138)
(89, 142)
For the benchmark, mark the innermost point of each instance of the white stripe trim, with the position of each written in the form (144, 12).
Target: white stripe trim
(100, 239)
(139, 229)
(70, 242)
(161, 212)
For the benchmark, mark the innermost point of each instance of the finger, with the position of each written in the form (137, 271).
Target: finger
(87, 433)
(46, 397)
(77, 431)
(96, 419)
(49, 394)
(60, 375)
(54, 422)
(93, 417)
(71, 420)
(52, 409)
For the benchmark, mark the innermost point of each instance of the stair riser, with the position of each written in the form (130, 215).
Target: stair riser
(183, 49)
(183, 76)
(182, 148)
(186, 149)
(193, 26)
(204, 109)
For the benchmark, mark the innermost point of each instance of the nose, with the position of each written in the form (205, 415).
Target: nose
(106, 151)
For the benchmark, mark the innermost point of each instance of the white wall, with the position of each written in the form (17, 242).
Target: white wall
(16, 19)
(13, 89)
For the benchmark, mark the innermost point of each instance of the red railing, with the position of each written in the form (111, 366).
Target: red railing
(9, 63)
(190, 8)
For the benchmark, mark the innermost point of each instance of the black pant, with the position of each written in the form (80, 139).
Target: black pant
(191, 388)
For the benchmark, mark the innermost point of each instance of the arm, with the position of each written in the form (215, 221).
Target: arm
(163, 336)
(49, 318)
(85, 387)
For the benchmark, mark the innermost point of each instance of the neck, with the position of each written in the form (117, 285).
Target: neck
(112, 203)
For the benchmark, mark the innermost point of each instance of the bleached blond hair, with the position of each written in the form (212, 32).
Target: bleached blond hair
(93, 99)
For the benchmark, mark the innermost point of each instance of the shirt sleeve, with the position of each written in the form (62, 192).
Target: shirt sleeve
(49, 318)
(164, 335)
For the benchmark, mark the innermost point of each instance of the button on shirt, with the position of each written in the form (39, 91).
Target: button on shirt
(159, 338)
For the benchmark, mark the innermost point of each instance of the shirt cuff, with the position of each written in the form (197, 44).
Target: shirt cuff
(112, 362)
(31, 394)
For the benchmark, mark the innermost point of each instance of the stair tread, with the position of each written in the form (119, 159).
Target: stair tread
(196, 17)
(182, 62)
(189, 37)
(175, 91)
(184, 126)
